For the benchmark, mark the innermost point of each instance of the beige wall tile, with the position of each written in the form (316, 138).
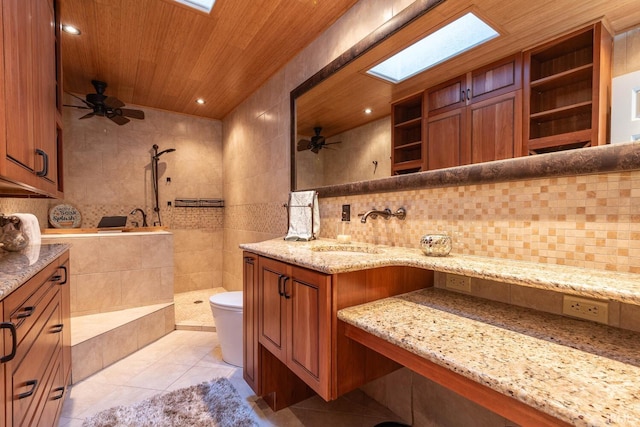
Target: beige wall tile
(151, 327)
(97, 292)
(630, 317)
(119, 253)
(119, 343)
(86, 358)
(537, 299)
(144, 287)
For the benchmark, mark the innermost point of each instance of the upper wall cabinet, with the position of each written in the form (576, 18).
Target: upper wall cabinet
(30, 126)
(567, 91)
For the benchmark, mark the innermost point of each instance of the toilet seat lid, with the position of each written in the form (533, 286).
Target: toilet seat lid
(227, 299)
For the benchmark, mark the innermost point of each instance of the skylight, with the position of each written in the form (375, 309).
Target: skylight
(202, 5)
(454, 38)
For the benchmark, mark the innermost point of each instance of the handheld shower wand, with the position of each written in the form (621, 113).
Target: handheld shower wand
(154, 172)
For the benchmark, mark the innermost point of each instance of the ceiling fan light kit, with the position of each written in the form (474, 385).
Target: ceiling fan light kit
(106, 106)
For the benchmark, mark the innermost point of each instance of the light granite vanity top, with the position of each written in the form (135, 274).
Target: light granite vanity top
(580, 372)
(321, 255)
(18, 267)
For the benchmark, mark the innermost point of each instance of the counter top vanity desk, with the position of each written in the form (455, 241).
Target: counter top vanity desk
(36, 339)
(531, 367)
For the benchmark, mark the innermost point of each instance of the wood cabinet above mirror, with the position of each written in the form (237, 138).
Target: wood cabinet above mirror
(342, 89)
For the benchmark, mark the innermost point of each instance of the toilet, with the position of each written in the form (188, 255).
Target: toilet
(227, 314)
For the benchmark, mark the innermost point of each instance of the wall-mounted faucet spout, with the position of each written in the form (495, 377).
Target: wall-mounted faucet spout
(401, 213)
(144, 216)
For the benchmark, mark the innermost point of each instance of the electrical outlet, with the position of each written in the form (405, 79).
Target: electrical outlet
(458, 283)
(597, 311)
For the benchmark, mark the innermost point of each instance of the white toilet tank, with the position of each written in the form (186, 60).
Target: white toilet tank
(227, 315)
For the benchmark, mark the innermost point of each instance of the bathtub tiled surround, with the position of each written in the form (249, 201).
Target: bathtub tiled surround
(121, 295)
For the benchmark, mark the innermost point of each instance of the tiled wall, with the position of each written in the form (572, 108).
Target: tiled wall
(585, 221)
(107, 172)
(115, 272)
(362, 154)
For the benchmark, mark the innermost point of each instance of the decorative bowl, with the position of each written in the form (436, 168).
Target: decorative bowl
(435, 244)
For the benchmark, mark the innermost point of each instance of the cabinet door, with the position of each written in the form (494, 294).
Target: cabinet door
(308, 334)
(496, 79)
(19, 93)
(250, 359)
(271, 310)
(496, 128)
(64, 281)
(447, 141)
(447, 96)
(44, 83)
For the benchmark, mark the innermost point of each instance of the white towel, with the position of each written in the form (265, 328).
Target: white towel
(30, 227)
(302, 224)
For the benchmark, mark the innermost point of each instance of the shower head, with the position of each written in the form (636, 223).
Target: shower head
(157, 155)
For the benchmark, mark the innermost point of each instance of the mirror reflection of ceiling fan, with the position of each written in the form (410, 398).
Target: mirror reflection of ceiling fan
(106, 106)
(316, 143)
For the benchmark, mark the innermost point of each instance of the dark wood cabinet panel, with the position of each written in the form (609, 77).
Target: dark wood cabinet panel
(249, 321)
(447, 144)
(272, 306)
(496, 128)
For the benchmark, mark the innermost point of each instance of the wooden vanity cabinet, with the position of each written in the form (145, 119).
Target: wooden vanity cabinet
(294, 320)
(36, 377)
(293, 343)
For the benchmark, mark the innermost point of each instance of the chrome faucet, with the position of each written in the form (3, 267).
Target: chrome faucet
(144, 216)
(401, 213)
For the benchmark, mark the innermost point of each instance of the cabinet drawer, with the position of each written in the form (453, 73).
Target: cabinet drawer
(32, 365)
(53, 395)
(24, 306)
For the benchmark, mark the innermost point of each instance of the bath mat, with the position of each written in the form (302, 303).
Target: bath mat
(209, 404)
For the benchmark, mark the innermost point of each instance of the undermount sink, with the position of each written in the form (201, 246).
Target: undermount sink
(347, 248)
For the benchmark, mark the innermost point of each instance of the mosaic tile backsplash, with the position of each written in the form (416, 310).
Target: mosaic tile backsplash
(590, 221)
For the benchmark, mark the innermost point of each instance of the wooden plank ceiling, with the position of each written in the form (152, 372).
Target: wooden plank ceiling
(337, 104)
(160, 54)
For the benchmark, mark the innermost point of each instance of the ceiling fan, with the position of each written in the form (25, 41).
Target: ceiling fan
(106, 106)
(316, 143)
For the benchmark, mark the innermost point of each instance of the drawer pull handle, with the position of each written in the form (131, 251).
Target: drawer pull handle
(33, 384)
(61, 395)
(280, 292)
(45, 163)
(56, 329)
(284, 288)
(58, 277)
(26, 312)
(14, 341)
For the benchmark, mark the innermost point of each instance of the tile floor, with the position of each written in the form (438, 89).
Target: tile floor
(183, 358)
(193, 315)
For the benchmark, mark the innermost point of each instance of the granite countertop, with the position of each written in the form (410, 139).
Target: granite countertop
(329, 256)
(18, 267)
(580, 372)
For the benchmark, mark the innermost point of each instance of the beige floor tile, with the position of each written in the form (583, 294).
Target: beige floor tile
(191, 313)
(184, 358)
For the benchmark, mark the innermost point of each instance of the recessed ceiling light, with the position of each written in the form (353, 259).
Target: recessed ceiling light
(71, 30)
(368, 111)
(457, 37)
(200, 101)
(202, 5)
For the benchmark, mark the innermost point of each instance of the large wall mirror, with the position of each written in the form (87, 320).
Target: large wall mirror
(350, 110)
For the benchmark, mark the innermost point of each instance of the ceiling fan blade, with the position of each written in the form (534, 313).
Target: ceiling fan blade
(86, 116)
(315, 149)
(84, 101)
(78, 106)
(303, 144)
(134, 114)
(112, 102)
(334, 142)
(118, 119)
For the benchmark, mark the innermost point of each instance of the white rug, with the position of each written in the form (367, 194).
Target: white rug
(212, 404)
